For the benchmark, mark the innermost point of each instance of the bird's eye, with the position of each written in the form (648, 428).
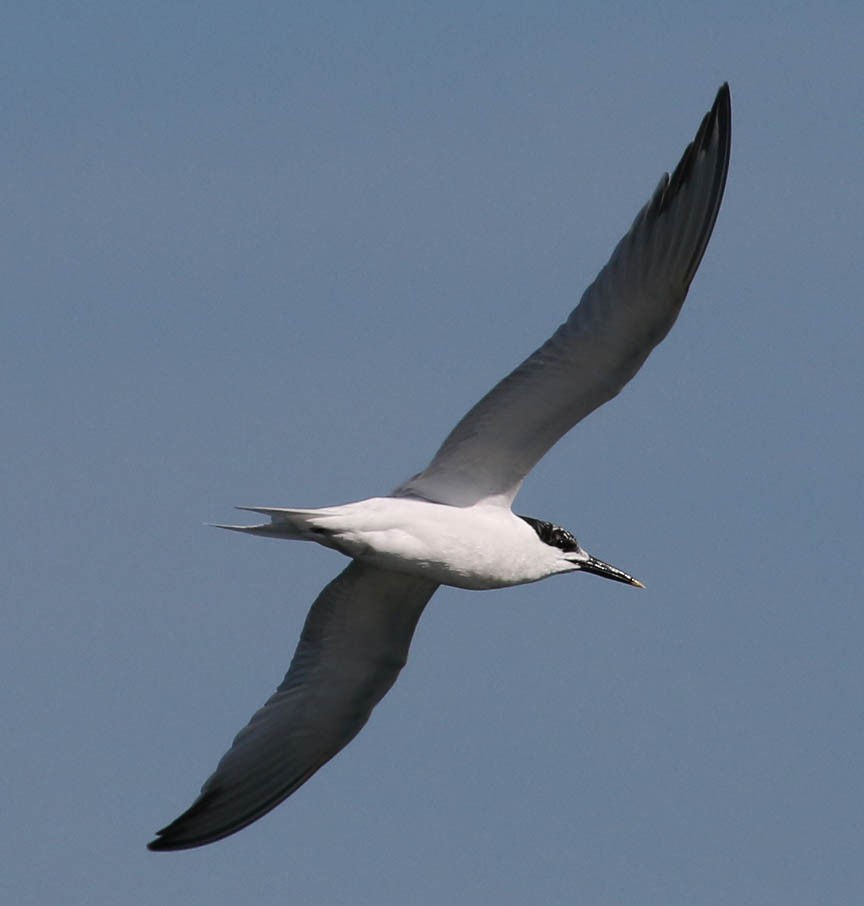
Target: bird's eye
(562, 539)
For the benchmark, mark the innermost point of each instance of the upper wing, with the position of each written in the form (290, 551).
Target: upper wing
(622, 316)
(354, 643)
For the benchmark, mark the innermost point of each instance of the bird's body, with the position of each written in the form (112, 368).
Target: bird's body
(452, 523)
(477, 547)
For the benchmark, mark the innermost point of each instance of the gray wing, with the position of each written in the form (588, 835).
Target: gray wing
(353, 645)
(622, 316)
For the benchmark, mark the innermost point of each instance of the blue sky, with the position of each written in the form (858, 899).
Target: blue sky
(268, 254)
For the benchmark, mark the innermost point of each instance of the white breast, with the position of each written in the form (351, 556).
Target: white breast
(468, 547)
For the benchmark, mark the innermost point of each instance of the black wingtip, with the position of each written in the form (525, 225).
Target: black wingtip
(158, 845)
(167, 839)
(168, 845)
(179, 835)
(197, 827)
(719, 119)
(716, 127)
(172, 843)
(722, 109)
(162, 841)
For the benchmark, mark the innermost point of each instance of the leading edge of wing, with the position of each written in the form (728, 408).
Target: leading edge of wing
(622, 316)
(353, 645)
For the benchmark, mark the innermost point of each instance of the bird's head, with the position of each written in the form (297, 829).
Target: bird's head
(569, 556)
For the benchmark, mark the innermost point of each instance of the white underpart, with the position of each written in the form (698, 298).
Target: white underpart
(475, 547)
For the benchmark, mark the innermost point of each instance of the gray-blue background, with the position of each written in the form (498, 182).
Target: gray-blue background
(267, 253)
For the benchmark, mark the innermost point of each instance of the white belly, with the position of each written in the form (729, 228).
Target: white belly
(473, 547)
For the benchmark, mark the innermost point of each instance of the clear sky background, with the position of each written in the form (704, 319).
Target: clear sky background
(268, 253)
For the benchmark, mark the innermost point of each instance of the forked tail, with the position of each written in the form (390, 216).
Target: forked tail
(295, 525)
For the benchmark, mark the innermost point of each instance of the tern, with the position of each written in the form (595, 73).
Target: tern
(452, 524)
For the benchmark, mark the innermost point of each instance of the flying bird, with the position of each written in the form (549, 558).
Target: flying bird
(452, 523)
